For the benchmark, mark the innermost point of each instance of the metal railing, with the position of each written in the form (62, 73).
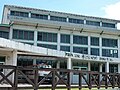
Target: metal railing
(59, 78)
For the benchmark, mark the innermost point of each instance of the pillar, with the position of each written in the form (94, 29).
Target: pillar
(69, 66)
(89, 45)
(11, 60)
(69, 63)
(58, 65)
(89, 66)
(11, 32)
(49, 17)
(35, 37)
(100, 70)
(107, 67)
(71, 42)
(119, 68)
(58, 41)
(100, 44)
(100, 67)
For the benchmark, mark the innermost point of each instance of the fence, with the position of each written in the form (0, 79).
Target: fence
(58, 77)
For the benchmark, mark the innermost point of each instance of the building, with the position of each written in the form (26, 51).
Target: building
(70, 41)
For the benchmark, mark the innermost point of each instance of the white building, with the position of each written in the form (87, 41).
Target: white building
(71, 41)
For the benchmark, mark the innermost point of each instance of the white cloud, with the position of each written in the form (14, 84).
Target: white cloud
(112, 11)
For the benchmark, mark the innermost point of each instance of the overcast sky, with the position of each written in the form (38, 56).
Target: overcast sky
(99, 8)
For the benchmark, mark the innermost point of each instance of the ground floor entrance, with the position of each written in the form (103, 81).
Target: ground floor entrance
(63, 63)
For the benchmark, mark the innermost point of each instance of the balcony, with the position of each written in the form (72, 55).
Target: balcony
(64, 25)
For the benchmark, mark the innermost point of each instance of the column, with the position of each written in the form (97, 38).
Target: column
(15, 58)
(49, 17)
(11, 32)
(67, 19)
(84, 21)
(89, 45)
(69, 66)
(101, 24)
(71, 42)
(100, 67)
(89, 66)
(69, 63)
(100, 44)
(35, 37)
(11, 60)
(100, 70)
(119, 68)
(119, 47)
(34, 62)
(107, 67)
(58, 65)
(58, 41)
(29, 15)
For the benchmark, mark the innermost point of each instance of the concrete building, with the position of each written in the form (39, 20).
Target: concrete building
(63, 40)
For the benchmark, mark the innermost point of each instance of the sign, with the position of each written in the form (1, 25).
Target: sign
(87, 57)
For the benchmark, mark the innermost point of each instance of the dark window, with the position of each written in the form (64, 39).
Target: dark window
(94, 41)
(64, 38)
(56, 18)
(80, 40)
(18, 13)
(23, 34)
(95, 67)
(48, 37)
(94, 23)
(110, 53)
(82, 50)
(113, 68)
(48, 46)
(110, 25)
(65, 48)
(109, 42)
(39, 16)
(77, 21)
(4, 34)
(95, 51)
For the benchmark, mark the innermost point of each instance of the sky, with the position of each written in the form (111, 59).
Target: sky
(99, 8)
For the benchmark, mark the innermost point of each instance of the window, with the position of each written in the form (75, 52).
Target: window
(65, 48)
(82, 50)
(80, 40)
(95, 51)
(64, 38)
(77, 21)
(18, 13)
(46, 36)
(56, 18)
(94, 23)
(4, 34)
(110, 25)
(48, 46)
(113, 68)
(110, 53)
(39, 16)
(94, 41)
(109, 42)
(23, 34)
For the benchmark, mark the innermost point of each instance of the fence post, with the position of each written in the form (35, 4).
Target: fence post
(36, 79)
(80, 80)
(53, 80)
(16, 78)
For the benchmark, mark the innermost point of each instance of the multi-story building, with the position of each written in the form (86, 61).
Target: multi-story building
(91, 43)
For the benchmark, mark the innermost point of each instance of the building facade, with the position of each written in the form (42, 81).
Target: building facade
(89, 43)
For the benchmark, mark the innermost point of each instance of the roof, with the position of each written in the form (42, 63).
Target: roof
(92, 17)
(4, 25)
